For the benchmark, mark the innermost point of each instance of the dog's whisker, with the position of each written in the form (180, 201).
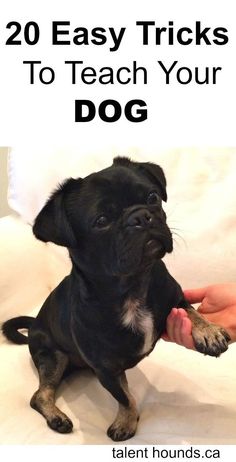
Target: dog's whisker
(180, 240)
(177, 244)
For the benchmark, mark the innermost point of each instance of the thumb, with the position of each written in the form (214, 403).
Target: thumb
(195, 295)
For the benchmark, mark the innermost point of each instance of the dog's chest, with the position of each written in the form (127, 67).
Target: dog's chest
(137, 318)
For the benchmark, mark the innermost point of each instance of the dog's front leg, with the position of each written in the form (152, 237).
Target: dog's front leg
(208, 338)
(125, 423)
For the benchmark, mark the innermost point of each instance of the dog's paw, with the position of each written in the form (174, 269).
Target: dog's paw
(122, 430)
(210, 339)
(120, 433)
(60, 424)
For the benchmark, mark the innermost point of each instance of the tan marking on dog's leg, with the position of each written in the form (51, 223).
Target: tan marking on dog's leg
(126, 421)
(43, 400)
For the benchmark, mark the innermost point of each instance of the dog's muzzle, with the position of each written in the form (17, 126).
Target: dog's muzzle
(159, 239)
(140, 218)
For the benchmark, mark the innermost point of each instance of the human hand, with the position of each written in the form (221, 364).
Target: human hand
(179, 328)
(217, 305)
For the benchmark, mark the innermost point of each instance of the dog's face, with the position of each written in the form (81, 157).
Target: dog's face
(112, 221)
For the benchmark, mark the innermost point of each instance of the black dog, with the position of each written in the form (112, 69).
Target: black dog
(110, 311)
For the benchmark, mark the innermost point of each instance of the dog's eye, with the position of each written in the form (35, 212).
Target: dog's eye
(101, 222)
(153, 198)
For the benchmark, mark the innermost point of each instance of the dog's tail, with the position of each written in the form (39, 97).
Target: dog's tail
(10, 329)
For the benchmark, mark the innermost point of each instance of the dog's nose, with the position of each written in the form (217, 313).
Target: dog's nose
(140, 218)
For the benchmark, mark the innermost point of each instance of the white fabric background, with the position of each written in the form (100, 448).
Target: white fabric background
(183, 396)
(201, 205)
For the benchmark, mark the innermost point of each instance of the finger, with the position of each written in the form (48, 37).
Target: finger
(170, 325)
(186, 334)
(174, 324)
(183, 313)
(166, 337)
(182, 329)
(195, 295)
(177, 328)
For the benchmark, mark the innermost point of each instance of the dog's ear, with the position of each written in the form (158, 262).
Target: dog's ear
(155, 173)
(123, 161)
(152, 171)
(52, 223)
